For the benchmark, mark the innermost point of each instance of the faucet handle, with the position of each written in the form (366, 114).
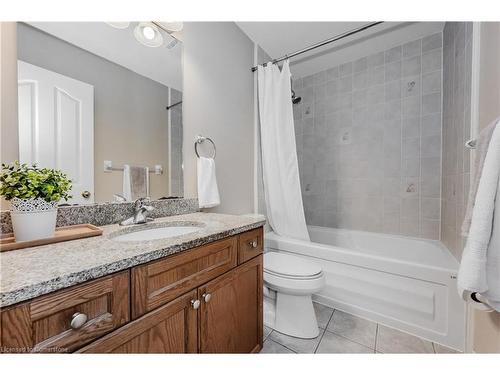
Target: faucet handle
(140, 202)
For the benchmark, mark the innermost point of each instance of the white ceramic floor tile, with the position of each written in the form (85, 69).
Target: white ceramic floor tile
(390, 340)
(267, 332)
(296, 344)
(332, 343)
(354, 328)
(323, 314)
(271, 347)
(444, 349)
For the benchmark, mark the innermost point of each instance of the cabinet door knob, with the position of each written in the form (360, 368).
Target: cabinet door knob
(206, 297)
(86, 194)
(195, 304)
(253, 243)
(78, 320)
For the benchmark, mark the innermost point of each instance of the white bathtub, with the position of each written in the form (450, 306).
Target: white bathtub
(405, 283)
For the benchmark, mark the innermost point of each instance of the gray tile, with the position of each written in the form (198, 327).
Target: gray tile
(432, 42)
(360, 80)
(431, 82)
(430, 229)
(376, 76)
(393, 54)
(411, 127)
(431, 124)
(354, 328)
(345, 69)
(431, 103)
(267, 332)
(431, 61)
(296, 344)
(430, 208)
(412, 48)
(390, 340)
(440, 349)
(323, 314)
(345, 84)
(411, 66)
(376, 59)
(360, 65)
(392, 90)
(392, 71)
(332, 73)
(411, 107)
(332, 343)
(271, 347)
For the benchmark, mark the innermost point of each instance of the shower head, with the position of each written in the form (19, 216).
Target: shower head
(295, 99)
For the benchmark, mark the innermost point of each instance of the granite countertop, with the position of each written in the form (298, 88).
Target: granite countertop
(32, 272)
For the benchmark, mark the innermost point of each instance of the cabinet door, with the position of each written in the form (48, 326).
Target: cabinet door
(171, 328)
(231, 311)
(67, 320)
(159, 282)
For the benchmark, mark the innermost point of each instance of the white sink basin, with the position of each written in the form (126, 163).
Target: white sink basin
(156, 233)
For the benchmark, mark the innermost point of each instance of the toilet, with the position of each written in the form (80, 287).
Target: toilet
(289, 282)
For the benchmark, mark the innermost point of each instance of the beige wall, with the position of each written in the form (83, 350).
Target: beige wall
(8, 95)
(487, 325)
(218, 103)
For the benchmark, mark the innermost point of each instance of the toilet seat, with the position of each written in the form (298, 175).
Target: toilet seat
(290, 266)
(291, 274)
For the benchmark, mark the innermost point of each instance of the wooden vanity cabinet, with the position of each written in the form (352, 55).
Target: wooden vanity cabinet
(204, 300)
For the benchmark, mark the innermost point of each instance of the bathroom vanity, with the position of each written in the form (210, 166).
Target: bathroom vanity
(199, 292)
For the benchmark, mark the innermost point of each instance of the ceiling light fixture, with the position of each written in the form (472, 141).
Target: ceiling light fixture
(148, 34)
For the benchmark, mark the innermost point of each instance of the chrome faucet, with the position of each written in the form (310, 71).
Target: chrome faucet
(142, 206)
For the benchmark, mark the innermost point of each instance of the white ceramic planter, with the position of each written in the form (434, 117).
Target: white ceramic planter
(33, 219)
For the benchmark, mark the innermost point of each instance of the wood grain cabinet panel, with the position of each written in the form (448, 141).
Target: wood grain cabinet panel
(44, 324)
(171, 328)
(250, 244)
(231, 320)
(159, 282)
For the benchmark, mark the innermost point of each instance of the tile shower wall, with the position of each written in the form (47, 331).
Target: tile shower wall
(369, 141)
(457, 73)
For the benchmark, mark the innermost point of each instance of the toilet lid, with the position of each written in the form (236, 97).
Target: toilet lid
(289, 265)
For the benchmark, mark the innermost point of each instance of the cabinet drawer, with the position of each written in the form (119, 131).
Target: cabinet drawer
(159, 282)
(250, 245)
(44, 324)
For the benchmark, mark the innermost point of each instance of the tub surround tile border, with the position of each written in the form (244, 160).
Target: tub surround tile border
(110, 213)
(36, 271)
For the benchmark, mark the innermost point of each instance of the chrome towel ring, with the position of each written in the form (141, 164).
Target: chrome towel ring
(200, 139)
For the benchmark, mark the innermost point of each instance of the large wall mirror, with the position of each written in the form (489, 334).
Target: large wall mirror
(103, 102)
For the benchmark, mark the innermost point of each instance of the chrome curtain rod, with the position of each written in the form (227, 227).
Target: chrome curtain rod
(321, 44)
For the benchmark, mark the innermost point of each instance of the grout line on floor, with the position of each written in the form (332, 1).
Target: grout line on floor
(283, 345)
(319, 341)
(376, 339)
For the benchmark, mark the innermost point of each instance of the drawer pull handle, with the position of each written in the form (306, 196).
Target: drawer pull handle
(253, 243)
(195, 304)
(78, 320)
(206, 297)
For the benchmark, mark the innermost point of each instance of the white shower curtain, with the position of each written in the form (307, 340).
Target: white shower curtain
(280, 169)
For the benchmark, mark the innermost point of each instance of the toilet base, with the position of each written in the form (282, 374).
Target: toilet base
(291, 315)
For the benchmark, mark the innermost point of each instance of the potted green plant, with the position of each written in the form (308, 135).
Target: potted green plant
(34, 194)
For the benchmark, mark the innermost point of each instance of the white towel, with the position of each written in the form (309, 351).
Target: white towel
(135, 182)
(208, 192)
(480, 266)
